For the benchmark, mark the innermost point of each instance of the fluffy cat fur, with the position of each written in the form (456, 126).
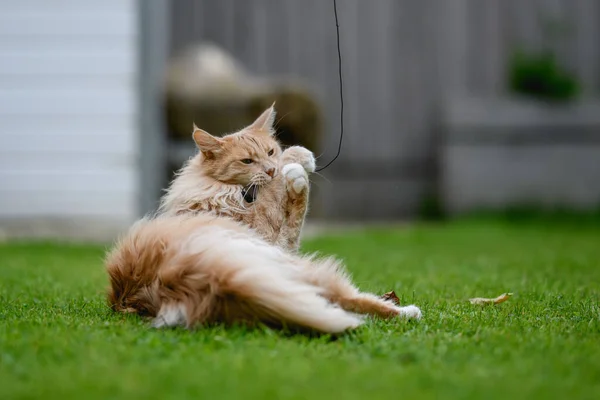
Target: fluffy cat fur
(213, 181)
(195, 269)
(209, 257)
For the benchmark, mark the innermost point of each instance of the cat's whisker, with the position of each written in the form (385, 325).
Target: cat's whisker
(317, 184)
(322, 176)
(281, 118)
(255, 182)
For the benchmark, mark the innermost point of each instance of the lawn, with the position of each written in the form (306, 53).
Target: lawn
(59, 340)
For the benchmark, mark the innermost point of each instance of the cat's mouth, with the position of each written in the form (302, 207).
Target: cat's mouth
(250, 192)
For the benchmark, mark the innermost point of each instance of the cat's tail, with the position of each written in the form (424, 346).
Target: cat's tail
(220, 274)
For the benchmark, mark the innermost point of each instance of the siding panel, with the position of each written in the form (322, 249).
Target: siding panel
(84, 181)
(60, 23)
(39, 103)
(68, 110)
(54, 142)
(57, 204)
(51, 63)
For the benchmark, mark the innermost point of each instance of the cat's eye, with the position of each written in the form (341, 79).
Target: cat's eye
(247, 161)
(270, 153)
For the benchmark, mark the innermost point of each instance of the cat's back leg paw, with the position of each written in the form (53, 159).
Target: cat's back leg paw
(296, 178)
(412, 312)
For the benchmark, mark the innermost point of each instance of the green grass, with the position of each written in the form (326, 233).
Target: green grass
(59, 340)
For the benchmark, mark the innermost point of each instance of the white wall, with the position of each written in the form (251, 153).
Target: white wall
(68, 113)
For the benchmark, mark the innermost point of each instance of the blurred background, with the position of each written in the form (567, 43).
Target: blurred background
(451, 106)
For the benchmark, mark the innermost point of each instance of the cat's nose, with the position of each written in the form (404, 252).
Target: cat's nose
(270, 172)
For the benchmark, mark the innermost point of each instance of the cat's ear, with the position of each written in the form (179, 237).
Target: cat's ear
(265, 121)
(207, 143)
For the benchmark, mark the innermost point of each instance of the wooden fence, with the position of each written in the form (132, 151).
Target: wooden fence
(401, 59)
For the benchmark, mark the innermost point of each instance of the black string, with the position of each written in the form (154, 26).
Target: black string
(337, 29)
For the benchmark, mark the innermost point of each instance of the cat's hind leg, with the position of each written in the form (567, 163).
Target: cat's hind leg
(367, 303)
(337, 288)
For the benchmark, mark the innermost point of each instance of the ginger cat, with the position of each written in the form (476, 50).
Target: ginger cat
(250, 161)
(211, 257)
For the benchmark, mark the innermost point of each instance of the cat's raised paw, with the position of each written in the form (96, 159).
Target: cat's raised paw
(295, 177)
(411, 311)
(300, 155)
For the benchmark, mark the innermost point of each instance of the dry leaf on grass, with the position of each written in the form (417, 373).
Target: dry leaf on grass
(391, 296)
(500, 299)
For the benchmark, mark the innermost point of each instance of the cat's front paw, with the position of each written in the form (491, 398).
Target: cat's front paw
(296, 179)
(300, 155)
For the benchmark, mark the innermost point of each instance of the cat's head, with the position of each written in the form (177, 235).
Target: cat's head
(249, 156)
